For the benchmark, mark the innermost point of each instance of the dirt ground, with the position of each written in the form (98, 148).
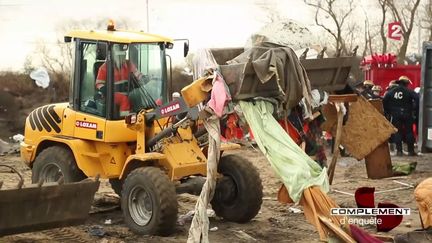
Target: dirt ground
(274, 223)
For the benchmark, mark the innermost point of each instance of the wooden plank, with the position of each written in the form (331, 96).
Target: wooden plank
(336, 151)
(343, 98)
(336, 229)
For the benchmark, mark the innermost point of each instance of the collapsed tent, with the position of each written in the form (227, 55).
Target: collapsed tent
(299, 173)
(275, 75)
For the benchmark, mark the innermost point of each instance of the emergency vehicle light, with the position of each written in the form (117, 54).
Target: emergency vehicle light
(110, 26)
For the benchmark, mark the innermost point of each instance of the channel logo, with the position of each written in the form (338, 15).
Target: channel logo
(386, 216)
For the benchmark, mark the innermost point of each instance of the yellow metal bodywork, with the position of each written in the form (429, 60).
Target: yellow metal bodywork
(120, 146)
(118, 36)
(180, 155)
(183, 158)
(93, 158)
(197, 91)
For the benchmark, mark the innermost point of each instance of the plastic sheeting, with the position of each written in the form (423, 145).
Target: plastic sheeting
(270, 71)
(198, 231)
(295, 168)
(41, 78)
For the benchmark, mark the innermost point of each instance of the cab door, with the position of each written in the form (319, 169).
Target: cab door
(90, 105)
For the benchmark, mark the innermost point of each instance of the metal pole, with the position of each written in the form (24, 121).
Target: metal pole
(147, 9)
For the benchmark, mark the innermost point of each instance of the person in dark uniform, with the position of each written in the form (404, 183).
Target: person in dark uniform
(392, 84)
(400, 103)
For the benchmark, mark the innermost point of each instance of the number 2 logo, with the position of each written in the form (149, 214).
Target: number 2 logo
(395, 31)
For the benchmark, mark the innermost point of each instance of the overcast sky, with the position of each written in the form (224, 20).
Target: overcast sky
(207, 23)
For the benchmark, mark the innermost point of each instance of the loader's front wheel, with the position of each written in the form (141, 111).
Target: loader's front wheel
(53, 163)
(238, 194)
(149, 202)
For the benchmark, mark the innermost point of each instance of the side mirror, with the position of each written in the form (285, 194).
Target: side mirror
(185, 49)
(67, 39)
(185, 46)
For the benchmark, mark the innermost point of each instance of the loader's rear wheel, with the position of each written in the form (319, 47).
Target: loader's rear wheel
(53, 163)
(238, 194)
(149, 202)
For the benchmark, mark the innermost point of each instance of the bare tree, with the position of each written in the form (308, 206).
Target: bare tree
(426, 20)
(367, 38)
(352, 33)
(374, 30)
(325, 9)
(57, 56)
(270, 7)
(405, 14)
(384, 8)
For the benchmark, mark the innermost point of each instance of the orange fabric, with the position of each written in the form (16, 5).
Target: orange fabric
(315, 202)
(283, 196)
(423, 196)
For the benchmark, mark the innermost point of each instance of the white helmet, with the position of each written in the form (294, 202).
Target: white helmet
(119, 53)
(119, 49)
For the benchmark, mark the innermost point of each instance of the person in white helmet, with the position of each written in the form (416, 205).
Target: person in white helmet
(367, 89)
(376, 92)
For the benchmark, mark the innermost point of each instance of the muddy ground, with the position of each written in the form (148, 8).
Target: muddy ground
(274, 223)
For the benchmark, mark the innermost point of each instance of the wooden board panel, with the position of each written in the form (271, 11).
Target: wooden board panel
(365, 129)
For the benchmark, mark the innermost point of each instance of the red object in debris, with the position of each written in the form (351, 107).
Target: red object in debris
(232, 130)
(291, 130)
(365, 197)
(388, 222)
(383, 68)
(361, 236)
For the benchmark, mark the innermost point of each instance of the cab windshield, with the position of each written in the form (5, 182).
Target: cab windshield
(146, 74)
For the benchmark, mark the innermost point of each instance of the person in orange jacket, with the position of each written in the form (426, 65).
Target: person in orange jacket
(122, 69)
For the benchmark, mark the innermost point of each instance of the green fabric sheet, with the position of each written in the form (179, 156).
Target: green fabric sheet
(295, 168)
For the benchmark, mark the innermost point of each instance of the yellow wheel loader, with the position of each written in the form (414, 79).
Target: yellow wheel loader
(122, 126)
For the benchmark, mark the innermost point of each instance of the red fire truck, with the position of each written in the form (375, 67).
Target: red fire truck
(383, 68)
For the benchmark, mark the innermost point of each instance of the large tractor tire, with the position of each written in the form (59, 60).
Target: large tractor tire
(238, 195)
(53, 163)
(149, 202)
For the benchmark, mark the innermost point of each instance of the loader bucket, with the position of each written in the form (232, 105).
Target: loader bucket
(40, 207)
(327, 74)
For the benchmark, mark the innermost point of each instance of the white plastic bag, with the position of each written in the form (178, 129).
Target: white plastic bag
(40, 76)
(18, 138)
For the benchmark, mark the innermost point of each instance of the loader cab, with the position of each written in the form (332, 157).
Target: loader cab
(114, 79)
(115, 73)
